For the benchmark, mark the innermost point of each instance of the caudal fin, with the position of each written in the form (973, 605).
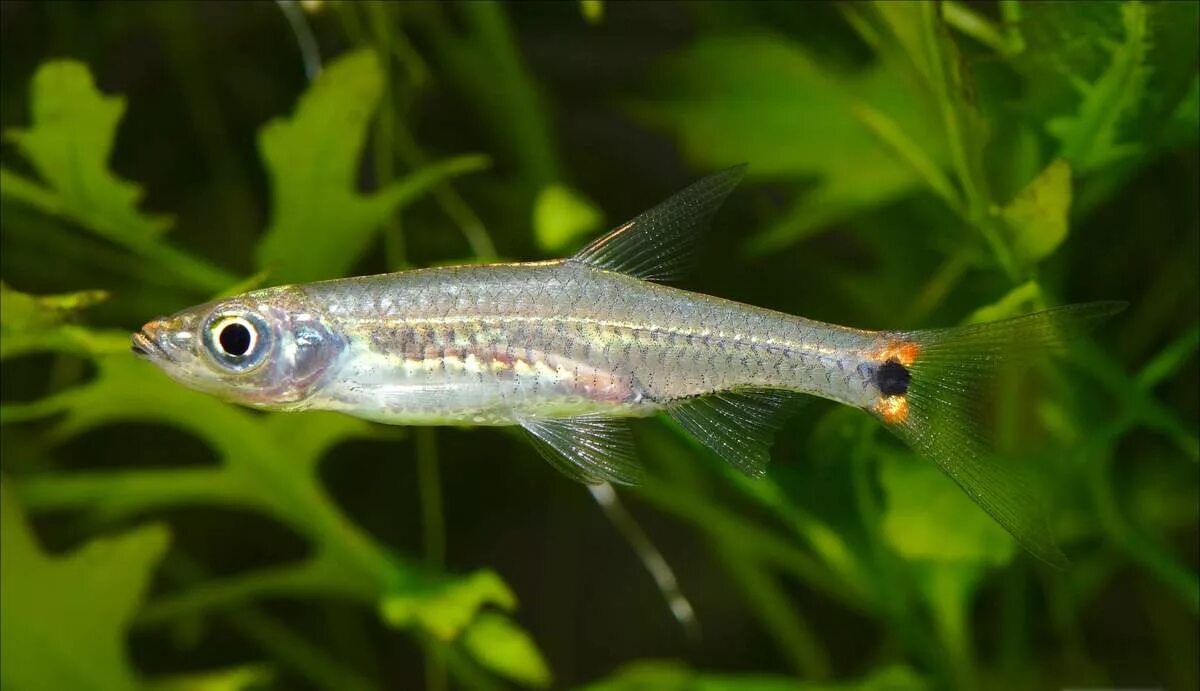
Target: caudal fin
(932, 393)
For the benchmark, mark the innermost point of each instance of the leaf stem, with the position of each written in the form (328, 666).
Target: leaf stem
(975, 25)
(309, 660)
(115, 494)
(741, 557)
(429, 483)
(451, 202)
(234, 590)
(433, 525)
(762, 543)
(194, 272)
(1178, 578)
(300, 654)
(385, 135)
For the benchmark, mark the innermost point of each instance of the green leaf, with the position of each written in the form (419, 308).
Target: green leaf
(977, 26)
(1038, 218)
(654, 675)
(320, 224)
(20, 311)
(476, 49)
(561, 216)
(592, 10)
(268, 463)
(1183, 128)
(446, 609)
(1170, 359)
(1090, 137)
(1109, 77)
(1019, 300)
(912, 37)
(69, 144)
(908, 151)
(496, 643)
(763, 99)
(929, 518)
(39, 322)
(64, 618)
(241, 678)
(949, 541)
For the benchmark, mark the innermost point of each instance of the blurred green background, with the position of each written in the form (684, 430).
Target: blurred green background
(911, 166)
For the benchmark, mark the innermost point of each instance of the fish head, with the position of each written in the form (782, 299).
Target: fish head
(267, 348)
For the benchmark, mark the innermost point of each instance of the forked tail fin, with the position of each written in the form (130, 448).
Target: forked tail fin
(931, 396)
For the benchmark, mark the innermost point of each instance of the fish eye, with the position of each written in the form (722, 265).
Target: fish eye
(236, 337)
(236, 341)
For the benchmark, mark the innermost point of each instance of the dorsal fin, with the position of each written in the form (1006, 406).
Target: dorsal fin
(660, 244)
(739, 425)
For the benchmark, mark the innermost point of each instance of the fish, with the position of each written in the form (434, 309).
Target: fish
(571, 349)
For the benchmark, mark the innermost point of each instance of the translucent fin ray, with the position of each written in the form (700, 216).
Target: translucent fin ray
(652, 559)
(739, 425)
(660, 244)
(948, 375)
(1015, 339)
(588, 448)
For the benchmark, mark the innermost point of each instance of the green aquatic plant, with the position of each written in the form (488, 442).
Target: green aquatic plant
(912, 165)
(266, 464)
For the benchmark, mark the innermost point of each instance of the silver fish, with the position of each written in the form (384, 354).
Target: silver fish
(568, 349)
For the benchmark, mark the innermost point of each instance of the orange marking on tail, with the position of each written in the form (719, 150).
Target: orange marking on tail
(904, 352)
(893, 409)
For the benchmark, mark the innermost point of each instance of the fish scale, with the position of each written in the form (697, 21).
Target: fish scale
(654, 343)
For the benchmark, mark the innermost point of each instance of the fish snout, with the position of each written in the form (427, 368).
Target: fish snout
(146, 342)
(161, 339)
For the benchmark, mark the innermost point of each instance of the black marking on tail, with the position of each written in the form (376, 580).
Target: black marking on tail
(893, 378)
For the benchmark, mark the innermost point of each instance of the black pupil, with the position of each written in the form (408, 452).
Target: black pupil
(892, 378)
(235, 339)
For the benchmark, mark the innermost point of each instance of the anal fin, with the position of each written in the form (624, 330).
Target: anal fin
(739, 425)
(588, 448)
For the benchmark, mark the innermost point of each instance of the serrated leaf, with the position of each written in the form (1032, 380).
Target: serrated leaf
(1183, 127)
(21, 311)
(1090, 138)
(446, 609)
(69, 145)
(320, 223)
(914, 34)
(39, 322)
(1038, 218)
(64, 619)
(763, 99)
(501, 646)
(1089, 76)
(268, 463)
(561, 216)
(928, 518)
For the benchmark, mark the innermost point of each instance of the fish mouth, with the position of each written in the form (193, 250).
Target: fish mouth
(146, 346)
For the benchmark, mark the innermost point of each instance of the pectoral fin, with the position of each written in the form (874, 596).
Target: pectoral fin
(588, 448)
